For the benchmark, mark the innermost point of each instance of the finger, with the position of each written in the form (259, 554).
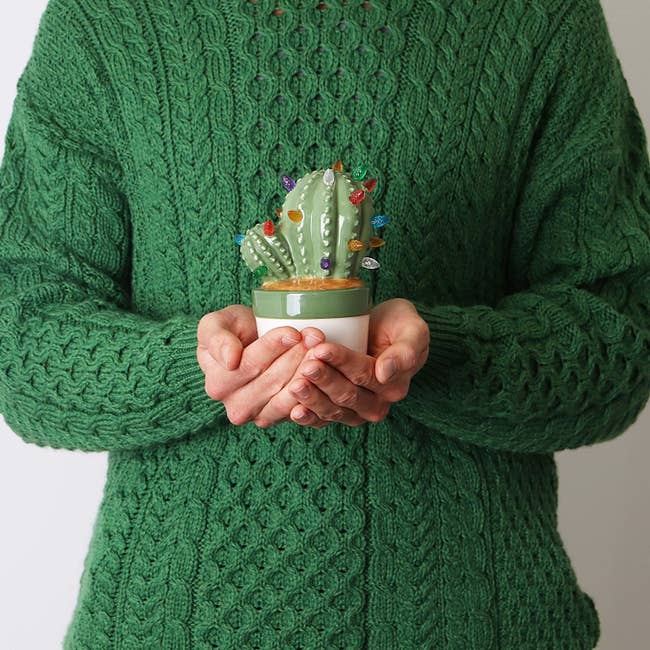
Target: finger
(332, 391)
(224, 333)
(356, 367)
(279, 406)
(261, 353)
(402, 356)
(246, 403)
(312, 336)
(320, 404)
(302, 415)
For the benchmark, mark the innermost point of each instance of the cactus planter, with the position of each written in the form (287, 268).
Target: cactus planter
(309, 259)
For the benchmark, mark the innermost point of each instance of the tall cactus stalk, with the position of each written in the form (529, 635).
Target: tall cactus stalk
(323, 231)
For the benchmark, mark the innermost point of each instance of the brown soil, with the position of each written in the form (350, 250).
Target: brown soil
(312, 284)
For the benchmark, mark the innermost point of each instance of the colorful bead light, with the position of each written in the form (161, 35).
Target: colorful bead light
(288, 182)
(356, 245)
(269, 228)
(239, 239)
(359, 172)
(338, 166)
(379, 220)
(370, 184)
(357, 196)
(295, 215)
(260, 271)
(376, 242)
(328, 177)
(325, 263)
(370, 263)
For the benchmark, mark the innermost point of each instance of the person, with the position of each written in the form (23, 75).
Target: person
(282, 491)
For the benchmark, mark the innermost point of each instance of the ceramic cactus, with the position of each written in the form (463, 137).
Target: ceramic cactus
(324, 229)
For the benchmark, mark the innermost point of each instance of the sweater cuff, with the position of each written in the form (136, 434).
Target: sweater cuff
(183, 375)
(447, 342)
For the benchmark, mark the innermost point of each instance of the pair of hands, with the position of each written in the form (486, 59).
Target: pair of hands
(291, 375)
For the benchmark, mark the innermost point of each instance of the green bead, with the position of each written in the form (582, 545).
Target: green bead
(260, 271)
(359, 172)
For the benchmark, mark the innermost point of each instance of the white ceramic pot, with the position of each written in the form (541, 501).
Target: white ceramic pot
(343, 315)
(351, 331)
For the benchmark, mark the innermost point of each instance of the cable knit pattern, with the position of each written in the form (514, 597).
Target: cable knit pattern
(510, 156)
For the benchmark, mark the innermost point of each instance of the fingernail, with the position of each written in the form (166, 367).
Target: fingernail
(301, 415)
(301, 390)
(325, 355)
(312, 340)
(289, 339)
(390, 368)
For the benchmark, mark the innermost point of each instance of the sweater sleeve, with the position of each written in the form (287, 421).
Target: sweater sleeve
(80, 370)
(563, 358)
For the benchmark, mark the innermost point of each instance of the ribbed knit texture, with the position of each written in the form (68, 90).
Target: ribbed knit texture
(513, 165)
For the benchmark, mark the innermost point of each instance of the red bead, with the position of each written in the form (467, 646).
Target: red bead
(269, 228)
(357, 196)
(370, 184)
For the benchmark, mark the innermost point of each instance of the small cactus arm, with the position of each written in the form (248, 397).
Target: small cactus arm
(311, 237)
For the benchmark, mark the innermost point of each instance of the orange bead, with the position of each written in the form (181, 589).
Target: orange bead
(356, 245)
(338, 166)
(376, 242)
(278, 212)
(295, 215)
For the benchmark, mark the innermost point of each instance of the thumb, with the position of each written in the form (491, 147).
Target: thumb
(225, 333)
(404, 354)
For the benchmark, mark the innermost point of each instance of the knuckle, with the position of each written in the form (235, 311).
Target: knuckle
(209, 324)
(249, 367)
(363, 378)
(237, 415)
(213, 344)
(214, 389)
(402, 391)
(348, 399)
(337, 415)
(395, 394)
(263, 423)
(384, 411)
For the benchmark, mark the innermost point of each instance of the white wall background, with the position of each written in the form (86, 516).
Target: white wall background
(48, 498)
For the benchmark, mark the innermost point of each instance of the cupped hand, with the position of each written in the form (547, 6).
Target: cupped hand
(334, 382)
(244, 371)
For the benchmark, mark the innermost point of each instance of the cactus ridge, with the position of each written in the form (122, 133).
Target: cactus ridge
(329, 221)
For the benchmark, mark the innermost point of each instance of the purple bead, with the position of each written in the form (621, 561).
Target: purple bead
(288, 182)
(325, 263)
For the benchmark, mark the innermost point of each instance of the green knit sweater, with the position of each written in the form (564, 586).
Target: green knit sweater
(512, 161)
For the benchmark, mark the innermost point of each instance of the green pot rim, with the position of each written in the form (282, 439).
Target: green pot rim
(327, 303)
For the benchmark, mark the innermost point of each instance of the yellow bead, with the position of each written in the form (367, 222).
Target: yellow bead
(295, 215)
(338, 166)
(356, 245)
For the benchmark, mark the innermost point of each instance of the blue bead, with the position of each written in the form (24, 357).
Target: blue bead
(239, 239)
(379, 220)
